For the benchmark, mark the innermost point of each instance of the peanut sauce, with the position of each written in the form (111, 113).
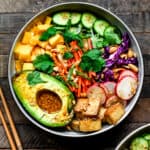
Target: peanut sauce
(49, 101)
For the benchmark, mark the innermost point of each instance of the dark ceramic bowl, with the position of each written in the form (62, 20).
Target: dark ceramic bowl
(99, 11)
(125, 143)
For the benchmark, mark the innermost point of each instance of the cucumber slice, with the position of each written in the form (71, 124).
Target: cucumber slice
(75, 30)
(61, 18)
(100, 26)
(147, 136)
(139, 143)
(88, 20)
(75, 18)
(112, 35)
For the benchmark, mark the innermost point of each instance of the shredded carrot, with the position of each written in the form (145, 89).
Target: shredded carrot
(90, 43)
(80, 53)
(79, 88)
(56, 60)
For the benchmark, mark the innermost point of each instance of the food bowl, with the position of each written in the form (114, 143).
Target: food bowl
(99, 11)
(124, 144)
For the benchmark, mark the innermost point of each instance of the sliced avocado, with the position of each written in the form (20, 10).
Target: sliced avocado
(30, 97)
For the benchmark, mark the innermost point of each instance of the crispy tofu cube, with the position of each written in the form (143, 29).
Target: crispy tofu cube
(81, 105)
(92, 108)
(56, 39)
(102, 113)
(75, 124)
(27, 37)
(48, 20)
(114, 113)
(61, 48)
(23, 52)
(18, 65)
(28, 66)
(90, 124)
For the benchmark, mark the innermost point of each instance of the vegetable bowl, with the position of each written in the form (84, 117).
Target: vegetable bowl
(75, 70)
(137, 139)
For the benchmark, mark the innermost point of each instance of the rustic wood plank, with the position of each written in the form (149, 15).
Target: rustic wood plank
(42, 140)
(3, 65)
(13, 22)
(36, 5)
(128, 5)
(21, 5)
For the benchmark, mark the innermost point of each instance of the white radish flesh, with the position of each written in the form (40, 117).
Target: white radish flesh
(126, 87)
(127, 73)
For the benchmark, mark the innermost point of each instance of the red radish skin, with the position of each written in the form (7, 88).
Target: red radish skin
(105, 89)
(110, 85)
(127, 73)
(96, 92)
(126, 87)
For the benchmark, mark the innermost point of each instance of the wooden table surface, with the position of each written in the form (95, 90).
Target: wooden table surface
(14, 14)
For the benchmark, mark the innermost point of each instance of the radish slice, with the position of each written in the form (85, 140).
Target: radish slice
(126, 87)
(110, 87)
(96, 92)
(105, 89)
(127, 73)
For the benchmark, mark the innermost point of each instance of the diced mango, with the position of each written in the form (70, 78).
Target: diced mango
(18, 66)
(26, 38)
(34, 40)
(28, 66)
(30, 38)
(61, 48)
(42, 27)
(48, 20)
(23, 52)
(43, 44)
(56, 39)
(37, 51)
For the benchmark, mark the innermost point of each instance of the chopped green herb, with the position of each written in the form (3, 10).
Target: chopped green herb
(34, 78)
(48, 33)
(92, 61)
(69, 36)
(44, 63)
(73, 84)
(112, 35)
(67, 55)
(82, 74)
(70, 73)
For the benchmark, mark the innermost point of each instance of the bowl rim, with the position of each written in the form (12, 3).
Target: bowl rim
(55, 132)
(137, 130)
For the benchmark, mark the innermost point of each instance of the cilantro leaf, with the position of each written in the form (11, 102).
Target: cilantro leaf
(34, 78)
(44, 63)
(48, 33)
(93, 53)
(67, 55)
(69, 36)
(92, 61)
(112, 35)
